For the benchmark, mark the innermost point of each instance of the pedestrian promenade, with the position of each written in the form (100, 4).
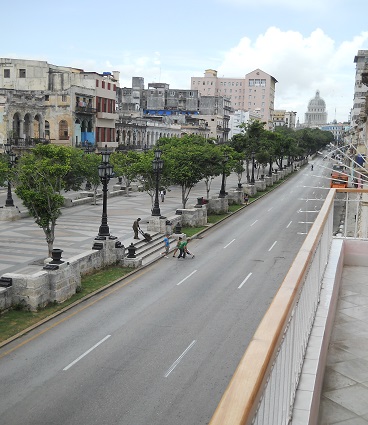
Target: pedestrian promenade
(23, 246)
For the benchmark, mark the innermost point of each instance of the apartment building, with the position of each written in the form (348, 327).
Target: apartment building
(254, 93)
(160, 111)
(63, 105)
(283, 118)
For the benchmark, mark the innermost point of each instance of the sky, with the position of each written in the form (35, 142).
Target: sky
(307, 45)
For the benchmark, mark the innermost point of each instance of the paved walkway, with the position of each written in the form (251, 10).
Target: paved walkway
(23, 246)
(344, 398)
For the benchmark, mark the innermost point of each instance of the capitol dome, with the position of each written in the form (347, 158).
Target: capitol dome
(316, 114)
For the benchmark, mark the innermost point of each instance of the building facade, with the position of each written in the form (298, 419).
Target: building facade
(145, 115)
(254, 93)
(316, 114)
(283, 118)
(62, 105)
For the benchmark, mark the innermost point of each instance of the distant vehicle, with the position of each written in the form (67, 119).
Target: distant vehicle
(339, 178)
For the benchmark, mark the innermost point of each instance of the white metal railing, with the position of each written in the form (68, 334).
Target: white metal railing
(263, 388)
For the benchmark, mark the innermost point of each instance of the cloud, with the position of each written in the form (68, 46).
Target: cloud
(301, 65)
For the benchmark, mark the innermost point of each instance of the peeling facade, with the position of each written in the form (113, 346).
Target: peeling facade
(61, 105)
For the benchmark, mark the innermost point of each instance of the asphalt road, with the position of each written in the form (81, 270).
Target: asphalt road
(160, 347)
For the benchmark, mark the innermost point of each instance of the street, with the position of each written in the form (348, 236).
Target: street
(161, 346)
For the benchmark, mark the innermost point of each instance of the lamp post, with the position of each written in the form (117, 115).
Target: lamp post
(222, 193)
(105, 172)
(252, 178)
(12, 158)
(157, 165)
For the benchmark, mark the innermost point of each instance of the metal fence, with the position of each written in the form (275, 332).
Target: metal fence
(263, 388)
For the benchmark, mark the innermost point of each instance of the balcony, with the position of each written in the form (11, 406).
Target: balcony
(86, 110)
(108, 115)
(279, 379)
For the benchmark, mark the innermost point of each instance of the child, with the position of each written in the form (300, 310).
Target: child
(177, 246)
(166, 246)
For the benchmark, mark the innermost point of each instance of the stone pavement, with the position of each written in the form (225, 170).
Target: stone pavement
(23, 246)
(344, 398)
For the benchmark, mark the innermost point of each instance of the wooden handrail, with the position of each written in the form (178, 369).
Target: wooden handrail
(241, 398)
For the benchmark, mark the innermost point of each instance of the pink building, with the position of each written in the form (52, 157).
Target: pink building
(254, 93)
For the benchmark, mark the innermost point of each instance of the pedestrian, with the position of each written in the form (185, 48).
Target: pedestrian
(187, 250)
(162, 193)
(246, 198)
(182, 249)
(166, 246)
(177, 246)
(136, 228)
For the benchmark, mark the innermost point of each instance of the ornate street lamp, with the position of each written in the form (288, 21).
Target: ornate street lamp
(222, 193)
(252, 181)
(12, 159)
(105, 172)
(157, 165)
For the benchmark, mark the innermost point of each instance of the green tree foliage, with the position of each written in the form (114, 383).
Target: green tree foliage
(188, 160)
(40, 177)
(4, 169)
(125, 166)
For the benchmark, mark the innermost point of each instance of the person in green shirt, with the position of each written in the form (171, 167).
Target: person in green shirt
(183, 249)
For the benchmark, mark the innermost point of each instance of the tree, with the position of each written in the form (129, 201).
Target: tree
(185, 160)
(4, 169)
(40, 177)
(123, 163)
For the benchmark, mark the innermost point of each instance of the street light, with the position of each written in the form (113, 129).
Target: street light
(105, 172)
(157, 165)
(252, 181)
(222, 193)
(12, 158)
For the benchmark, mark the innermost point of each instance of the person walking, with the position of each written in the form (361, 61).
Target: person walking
(177, 246)
(187, 250)
(166, 246)
(182, 249)
(246, 198)
(136, 228)
(162, 193)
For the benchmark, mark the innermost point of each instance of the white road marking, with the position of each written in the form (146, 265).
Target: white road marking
(249, 275)
(186, 278)
(273, 245)
(288, 225)
(269, 209)
(253, 223)
(229, 243)
(87, 352)
(178, 360)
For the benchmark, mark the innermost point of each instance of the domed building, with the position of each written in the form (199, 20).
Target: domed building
(316, 114)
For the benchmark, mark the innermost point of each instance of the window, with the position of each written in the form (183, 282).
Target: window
(22, 73)
(6, 73)
(251, 83)
(63, 130)
(63, 97)
(97, 83)
(103, 84)
(47, 97)
(108, 86)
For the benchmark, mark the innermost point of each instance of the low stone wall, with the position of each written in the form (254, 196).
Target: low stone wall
(218, 206)
(58, 282)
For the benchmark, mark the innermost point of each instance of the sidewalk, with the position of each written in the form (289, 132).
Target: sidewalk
(23, 246)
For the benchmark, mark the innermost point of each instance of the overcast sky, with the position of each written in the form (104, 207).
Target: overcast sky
(307, 45)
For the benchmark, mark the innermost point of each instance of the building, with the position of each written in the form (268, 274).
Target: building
(283, 118)
(254, 93)
(241, 117)
(337, 129)
(145, 115)
(62, 105)
(316, 114)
